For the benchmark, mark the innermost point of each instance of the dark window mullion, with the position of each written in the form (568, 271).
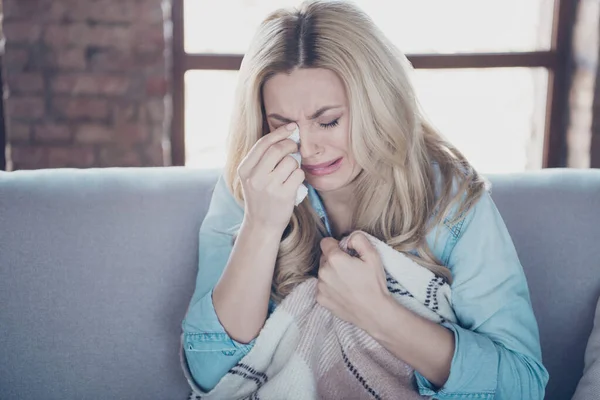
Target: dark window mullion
(546, 59)
(555, 135)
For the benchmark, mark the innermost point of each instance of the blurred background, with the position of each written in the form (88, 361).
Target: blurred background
(101, 83)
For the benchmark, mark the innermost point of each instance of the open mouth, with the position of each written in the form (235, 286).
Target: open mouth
(324, 169)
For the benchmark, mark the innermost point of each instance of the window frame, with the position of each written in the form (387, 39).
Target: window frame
(556, 61)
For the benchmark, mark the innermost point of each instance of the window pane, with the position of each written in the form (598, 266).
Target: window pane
(494, 116)
(416, 26)
(209, 99)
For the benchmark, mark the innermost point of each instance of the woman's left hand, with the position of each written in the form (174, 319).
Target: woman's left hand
(352, 288)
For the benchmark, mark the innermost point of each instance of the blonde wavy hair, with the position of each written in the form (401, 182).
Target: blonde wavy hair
(398, 190)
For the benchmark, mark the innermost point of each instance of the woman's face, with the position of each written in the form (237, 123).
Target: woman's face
(316, 100)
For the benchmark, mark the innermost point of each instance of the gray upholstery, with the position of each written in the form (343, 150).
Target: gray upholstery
(554, 220)
(589, 384)
(97, 268)
(96, 271)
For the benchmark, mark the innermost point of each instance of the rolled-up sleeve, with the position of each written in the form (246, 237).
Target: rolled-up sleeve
(497, 350)
(208, 351)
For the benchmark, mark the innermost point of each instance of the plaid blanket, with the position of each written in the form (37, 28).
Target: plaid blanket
(305, 352)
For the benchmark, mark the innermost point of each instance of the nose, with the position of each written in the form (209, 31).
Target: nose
(309, 143)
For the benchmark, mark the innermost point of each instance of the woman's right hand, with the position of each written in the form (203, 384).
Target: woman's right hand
(270, 178)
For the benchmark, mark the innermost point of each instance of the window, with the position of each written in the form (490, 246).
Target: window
(488, 73)
(424, 26)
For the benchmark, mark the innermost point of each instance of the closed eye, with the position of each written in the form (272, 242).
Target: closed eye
(331, 124)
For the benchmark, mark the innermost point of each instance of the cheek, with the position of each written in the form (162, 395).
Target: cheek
(343, 140)
(338, 137)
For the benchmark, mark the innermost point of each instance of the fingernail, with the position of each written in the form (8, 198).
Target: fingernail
(291, 126)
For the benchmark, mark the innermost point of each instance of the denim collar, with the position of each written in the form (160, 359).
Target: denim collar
(317, 205)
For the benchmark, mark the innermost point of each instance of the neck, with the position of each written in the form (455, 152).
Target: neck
(338, 198)
(340, 209)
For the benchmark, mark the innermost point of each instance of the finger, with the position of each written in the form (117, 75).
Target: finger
(322, 260)
(262, 145)
(329, 246)
(322, 272)
(360, 243)
(295, 179)
(274, 155)
(284, 169)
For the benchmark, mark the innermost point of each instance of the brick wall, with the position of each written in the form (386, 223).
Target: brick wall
(87, 83)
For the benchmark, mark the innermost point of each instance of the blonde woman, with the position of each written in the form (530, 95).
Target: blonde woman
(371, 163)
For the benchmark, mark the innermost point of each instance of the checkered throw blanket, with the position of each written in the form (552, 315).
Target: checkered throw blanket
(305, 352)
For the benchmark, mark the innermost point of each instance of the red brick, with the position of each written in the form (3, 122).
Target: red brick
(150, 12)
(108, 36)
(131, 133)
(149, 38)
(61, 10)
(81, 108)
(19, 132)
(124, 60)
(22, 32)
(21, 166)
(100, 84)
(50, 132)
(20, 9)
(26, 107)
(154, 58)
(153, 110)
(94, 133)
(113, 11)
(109, 11)
(69, 58)
(157, 86)
(125, 112)
(62, 35)
(109, 60)
(37, 59)
(26, 156)
(74, 157)
(16, 58)
(154, 155)
(83, 34)
(25, 82)
(113, 156)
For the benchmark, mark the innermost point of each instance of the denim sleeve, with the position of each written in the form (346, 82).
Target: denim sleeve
(497, 350)
(209, 352)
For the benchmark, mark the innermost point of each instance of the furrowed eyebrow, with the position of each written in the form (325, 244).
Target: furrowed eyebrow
(316, 115)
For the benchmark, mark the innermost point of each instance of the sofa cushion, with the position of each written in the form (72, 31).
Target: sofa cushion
(589, 385)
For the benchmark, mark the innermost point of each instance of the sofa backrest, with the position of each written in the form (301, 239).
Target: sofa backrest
(97, 268)
(554, 219)
(96, 271)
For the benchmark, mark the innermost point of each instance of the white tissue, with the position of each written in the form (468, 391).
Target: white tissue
(302, 190)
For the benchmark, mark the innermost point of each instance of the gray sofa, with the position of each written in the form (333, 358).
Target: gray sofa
(97, 268)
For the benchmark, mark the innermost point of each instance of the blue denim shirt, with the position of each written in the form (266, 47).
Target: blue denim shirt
(497, 350)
